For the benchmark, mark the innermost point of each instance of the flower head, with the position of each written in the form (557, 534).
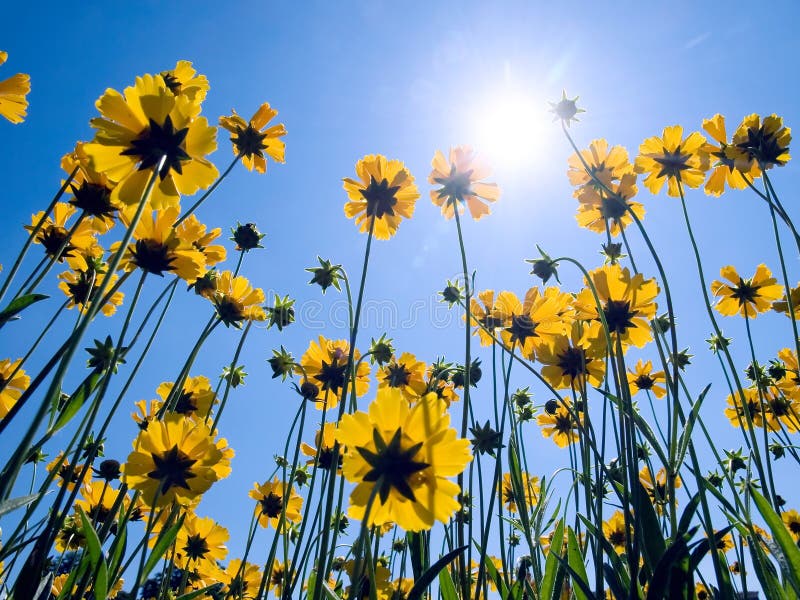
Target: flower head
(324, 441)
(236, 300)
(616, 533)
(565, 109)
(200, 544)
(461, 179)
(747, 297)
(15, 381)
(277, 504)
(559, 424)
(382, 196)
(406, 374)
(404, 455)
(531, 491)
(195, 399)
(184, 80)
(724, 169)
(253, 139)
(643, 378)
(13, 92)
(324, 365)
(765, 143)
(673, 159)
(81, 287)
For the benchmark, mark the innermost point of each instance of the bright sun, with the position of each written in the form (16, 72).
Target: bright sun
(513, 130)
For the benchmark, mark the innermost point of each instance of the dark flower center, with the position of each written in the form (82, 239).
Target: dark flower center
(397, 375)
(249, 141)
(456, 186)
(331, 376)
(196, 547)
(271, 505)
(172, 82)
(618, 315)
(762, 147)
(614, 207)
(326, 459)
(794, 527)
(152, 256)
(617, 537)
(573, 361)
(83, 287)
(391, 465)
(229, 310)
(644, 382)
(380, 198)
(94, 199)
(522, 327)
(186, 404)
(672, 163)
(173, 469)
(53, 238)
(745, 292)
(563, 423)
(159, 141)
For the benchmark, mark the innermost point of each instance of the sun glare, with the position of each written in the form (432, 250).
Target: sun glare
(512, 130)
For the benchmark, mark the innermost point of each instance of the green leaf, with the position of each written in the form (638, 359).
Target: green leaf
(676, 554)
(76, 400)
(686, 436)
(163, 543)
(653, 542)
(551, 565)
(196, 593)
(446, 586)
(18, 305)
(687, 515)
(96, 558)
(496, 577)
(578, 569)
(421, 584)
(13, 504)
(329, 593)
(416, 549)
(789, 555)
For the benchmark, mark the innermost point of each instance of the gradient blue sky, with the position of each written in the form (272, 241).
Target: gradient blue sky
(405, 79)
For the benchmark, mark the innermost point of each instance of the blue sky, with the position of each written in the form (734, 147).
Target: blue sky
(405, 79)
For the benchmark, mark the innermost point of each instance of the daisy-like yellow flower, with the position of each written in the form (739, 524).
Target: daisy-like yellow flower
(461, 177)
(791, 519)
(174, 460)
(673, 159)
(385, 193)
(236, 300)
(405, 454)
(158, 248)
(324, 365)
(701, 592)
(280, 575)
(611, 210)
(725, 543)
(643, 378)
(790, 384)
(71, 536)
(401, 588)
(140, 127)
(532, 490)
(657, 488)
(324, 441)
(68, 474)
(13, 92)
(382, 585)
(253, 139)
(97, 500)
(195, 233)
(15, 381)
(574, 359)
(723, 168)
(200, 544)
(184, 80)
(81, 287)
(76, 238)
(628, 303)
(196, 398)
(406, 374)
(736, 412)
(558, 424)
(747, 297)
(606, 165)
(765, 143)
(276, 502)
(484, 315)
(615, 532)
(531, 323)
(240, 581)
(782, 306)
(91, 190)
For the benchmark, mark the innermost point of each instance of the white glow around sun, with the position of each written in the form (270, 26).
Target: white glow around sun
(513, 129)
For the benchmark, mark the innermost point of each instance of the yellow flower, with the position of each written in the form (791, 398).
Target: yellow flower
(200, 543)
(725, 543)
(737, 413)
(701, 592)
(13, 104)
(747, 297)
(383, 587)
(77, 239)
(572, 360)
(606, 166)
(324, 441)
(558, 424)
(532, 490)
(251, 140)
(628, 303)
(196, 397)
(91, 191)
(401, 587)
(792, 521)
(724, 168)
(136, 130)
(484, 315)
(81, 287)
(611, 211)
(782, 306)
(657, 489)
(642, 378)
(184, 80)
(15, 381)
(236, 300)
(158, 248)
(673, 159)
(68, 474)
(196, 234)
(323, 367)
(461, 180)
(531, 323)
(406, 374)
(615, 532)
(240, 581)
(97, 500)
(764, 143)
(276, 505)
(279, 577)
(175, 459)
(401, 456)
(385, 194)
